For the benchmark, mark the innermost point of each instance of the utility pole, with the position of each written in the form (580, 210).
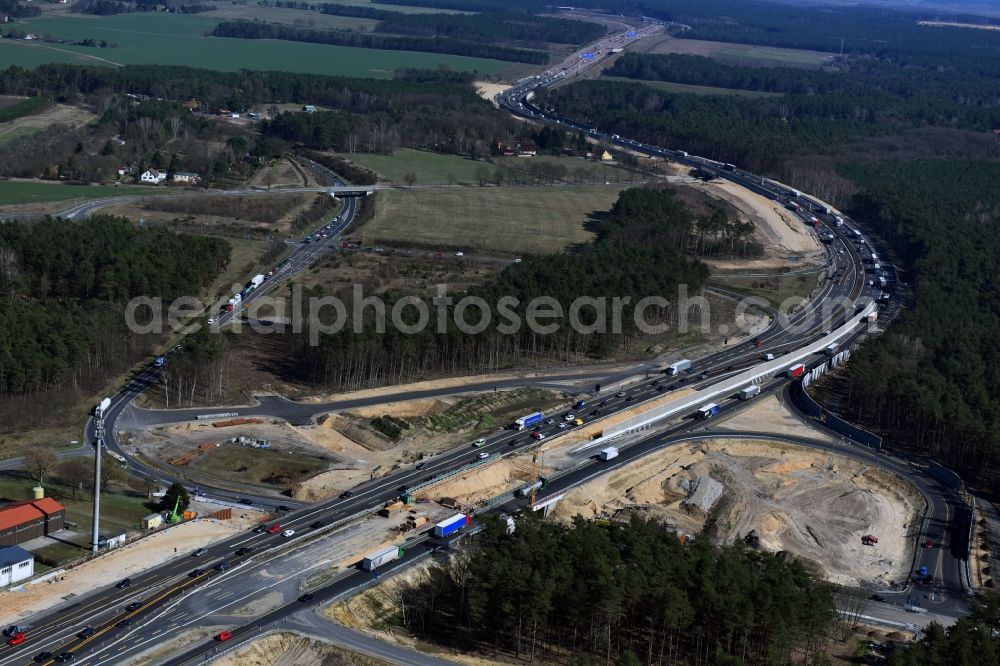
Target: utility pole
(99, 441)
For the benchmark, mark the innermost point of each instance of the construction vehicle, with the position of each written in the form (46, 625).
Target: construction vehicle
(174, 516)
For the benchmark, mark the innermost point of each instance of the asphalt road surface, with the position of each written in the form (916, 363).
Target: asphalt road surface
(164, 585)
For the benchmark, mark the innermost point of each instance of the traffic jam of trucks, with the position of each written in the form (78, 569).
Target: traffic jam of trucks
(450, 526)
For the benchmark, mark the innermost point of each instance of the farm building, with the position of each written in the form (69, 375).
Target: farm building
(187, 177)
(24, 521)
(16, 564)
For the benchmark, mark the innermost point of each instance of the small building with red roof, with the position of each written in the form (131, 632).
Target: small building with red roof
(24, 521)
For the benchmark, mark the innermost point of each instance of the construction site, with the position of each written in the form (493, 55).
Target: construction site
(854, 523)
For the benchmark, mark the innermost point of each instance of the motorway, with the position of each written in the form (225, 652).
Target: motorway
(157, 589)
(250, 577)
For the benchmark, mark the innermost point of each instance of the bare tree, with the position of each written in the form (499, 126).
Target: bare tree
(40, 461)
(851, 605)
(410, 178)
(76, 473)
(482, 175)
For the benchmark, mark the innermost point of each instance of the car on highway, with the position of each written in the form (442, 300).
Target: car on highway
(42, 657)
(549, 421)
(538, 435)
(196, 572)
(245, 550)
(307, 597)
(125, 582)
(222, 566)
(86, 632)
(479, 442)
(569, 417)
(345, 494)
(260, 529)
(134, 606)
(223, 636)
(274, 529)
(595, 412)
(122, 624)
(563, 426)
(877, 597)
(421, 465)
(484, 455)
(16, 639)
(620, 394)
(317, 524)
(65, 656)
(199, 552)
(288, 533)
(11, 630)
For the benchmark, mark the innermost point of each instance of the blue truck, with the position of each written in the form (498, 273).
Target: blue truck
(709, 410)
(451, 525)
(528, 421)
(579, 404)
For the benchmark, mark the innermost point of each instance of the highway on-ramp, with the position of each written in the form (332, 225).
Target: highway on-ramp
(156, 589)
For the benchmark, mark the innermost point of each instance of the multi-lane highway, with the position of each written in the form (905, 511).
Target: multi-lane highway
(114, 625)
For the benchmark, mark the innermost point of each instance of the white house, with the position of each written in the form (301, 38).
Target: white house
(187, 177)
(16, 564)
(153, 176)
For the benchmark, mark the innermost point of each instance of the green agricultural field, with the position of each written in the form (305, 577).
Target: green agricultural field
(667, 86)
(746, 54)
(510, 220)
(430, 168)
(16, 133)
(402, 9)
(150, 38)
(299, 17)
(772, 56)
(441, 169)
(16, 192)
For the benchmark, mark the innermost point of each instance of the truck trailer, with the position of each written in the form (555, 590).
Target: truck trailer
(527, 421)
(380, 557)
(796, 370)
(749, 392)
(832, 349)
(609, 453)
(708, 411)
(524, 491)
(678, 367)
(451, 525)
(256, 281)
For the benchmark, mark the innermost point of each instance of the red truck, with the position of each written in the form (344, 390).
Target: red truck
(796, 370)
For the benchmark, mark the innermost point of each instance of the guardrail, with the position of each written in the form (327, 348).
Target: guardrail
(221, 415)
(768, 368)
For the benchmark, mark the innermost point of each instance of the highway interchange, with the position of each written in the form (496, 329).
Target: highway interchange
(171, 598)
